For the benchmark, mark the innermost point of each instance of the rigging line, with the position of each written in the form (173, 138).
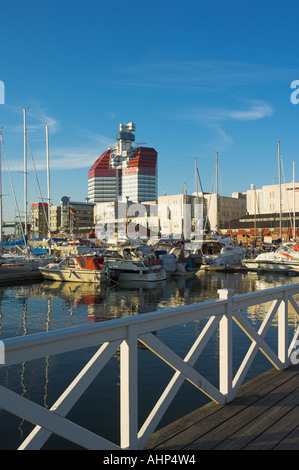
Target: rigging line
(14, 194)
(203, 203)
(44, 210)
(220, 179)
(209, 202)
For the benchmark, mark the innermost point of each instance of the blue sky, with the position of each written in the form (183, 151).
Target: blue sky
(195, 77)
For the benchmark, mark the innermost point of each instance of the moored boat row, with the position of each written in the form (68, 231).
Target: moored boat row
(123, 263)
(143, 262)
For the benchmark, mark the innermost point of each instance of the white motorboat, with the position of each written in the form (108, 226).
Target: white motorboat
(79, 269)
(284, 259)
(222, 251)
(134, 263)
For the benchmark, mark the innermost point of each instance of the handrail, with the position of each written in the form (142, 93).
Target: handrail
(125, 333)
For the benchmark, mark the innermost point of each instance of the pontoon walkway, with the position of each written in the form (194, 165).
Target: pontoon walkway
(263, 416)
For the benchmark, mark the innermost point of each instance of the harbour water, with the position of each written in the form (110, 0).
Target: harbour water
(37, 307)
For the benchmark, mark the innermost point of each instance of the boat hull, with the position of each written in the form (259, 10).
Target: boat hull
(144, 277)
(271, 266)
(130, 271)
(224, 259)
(73, 275)
(284, 259)
(151, 276)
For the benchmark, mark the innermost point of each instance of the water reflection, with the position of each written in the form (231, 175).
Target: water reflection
(52, 305)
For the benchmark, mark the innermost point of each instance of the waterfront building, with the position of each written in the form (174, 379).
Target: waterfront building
(261, 228)
(271, 215)
(77, 218)
(173, 216)
(124, 171)
(55, 219)
(178, 215)
(270, 198)
(137, 220)
(220, 210)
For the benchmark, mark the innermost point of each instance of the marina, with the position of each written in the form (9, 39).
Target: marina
(44, 307)
(149, 237)
(90, 325)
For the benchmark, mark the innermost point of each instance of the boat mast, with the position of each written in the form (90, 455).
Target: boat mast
(196, 181)
(48, 178)
(196, 205)
(1, 213)
(294, 211)
(199, 214)
(279, 173)
(217, 191)
(25, 175)
(255, 208)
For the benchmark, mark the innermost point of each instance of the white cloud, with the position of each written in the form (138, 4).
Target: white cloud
(215, 118)
(36, 119)
(81, 152)
(72, 158)
(204, 75)
(61, 158)
(227, 138)
(255, 110)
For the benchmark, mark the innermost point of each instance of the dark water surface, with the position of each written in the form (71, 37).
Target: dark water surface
(45, 306)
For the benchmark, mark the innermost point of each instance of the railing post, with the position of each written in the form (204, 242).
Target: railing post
(226, 345)
(128, 390)
(283, 330)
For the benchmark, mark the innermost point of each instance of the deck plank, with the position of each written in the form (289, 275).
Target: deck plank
(290, 442)
(262, 406)
(255, 420)
(280, 434)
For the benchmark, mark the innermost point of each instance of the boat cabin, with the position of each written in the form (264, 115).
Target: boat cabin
(92, 263)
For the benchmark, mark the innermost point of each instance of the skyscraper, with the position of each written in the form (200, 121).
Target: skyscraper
(124, 171)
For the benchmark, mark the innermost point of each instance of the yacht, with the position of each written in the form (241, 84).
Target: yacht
(79, 269)
(219, 251)
(134, 263)
(284, 259)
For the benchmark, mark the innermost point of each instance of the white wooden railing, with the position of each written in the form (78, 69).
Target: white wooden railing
(125, 333)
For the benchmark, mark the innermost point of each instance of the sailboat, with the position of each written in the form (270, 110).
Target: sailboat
(216, 250)
(24, 257)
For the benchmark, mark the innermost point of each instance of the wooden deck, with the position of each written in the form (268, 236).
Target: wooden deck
(263, 416)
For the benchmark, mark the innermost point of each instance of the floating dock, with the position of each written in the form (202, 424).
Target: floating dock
(224, 269)
(18, 274)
